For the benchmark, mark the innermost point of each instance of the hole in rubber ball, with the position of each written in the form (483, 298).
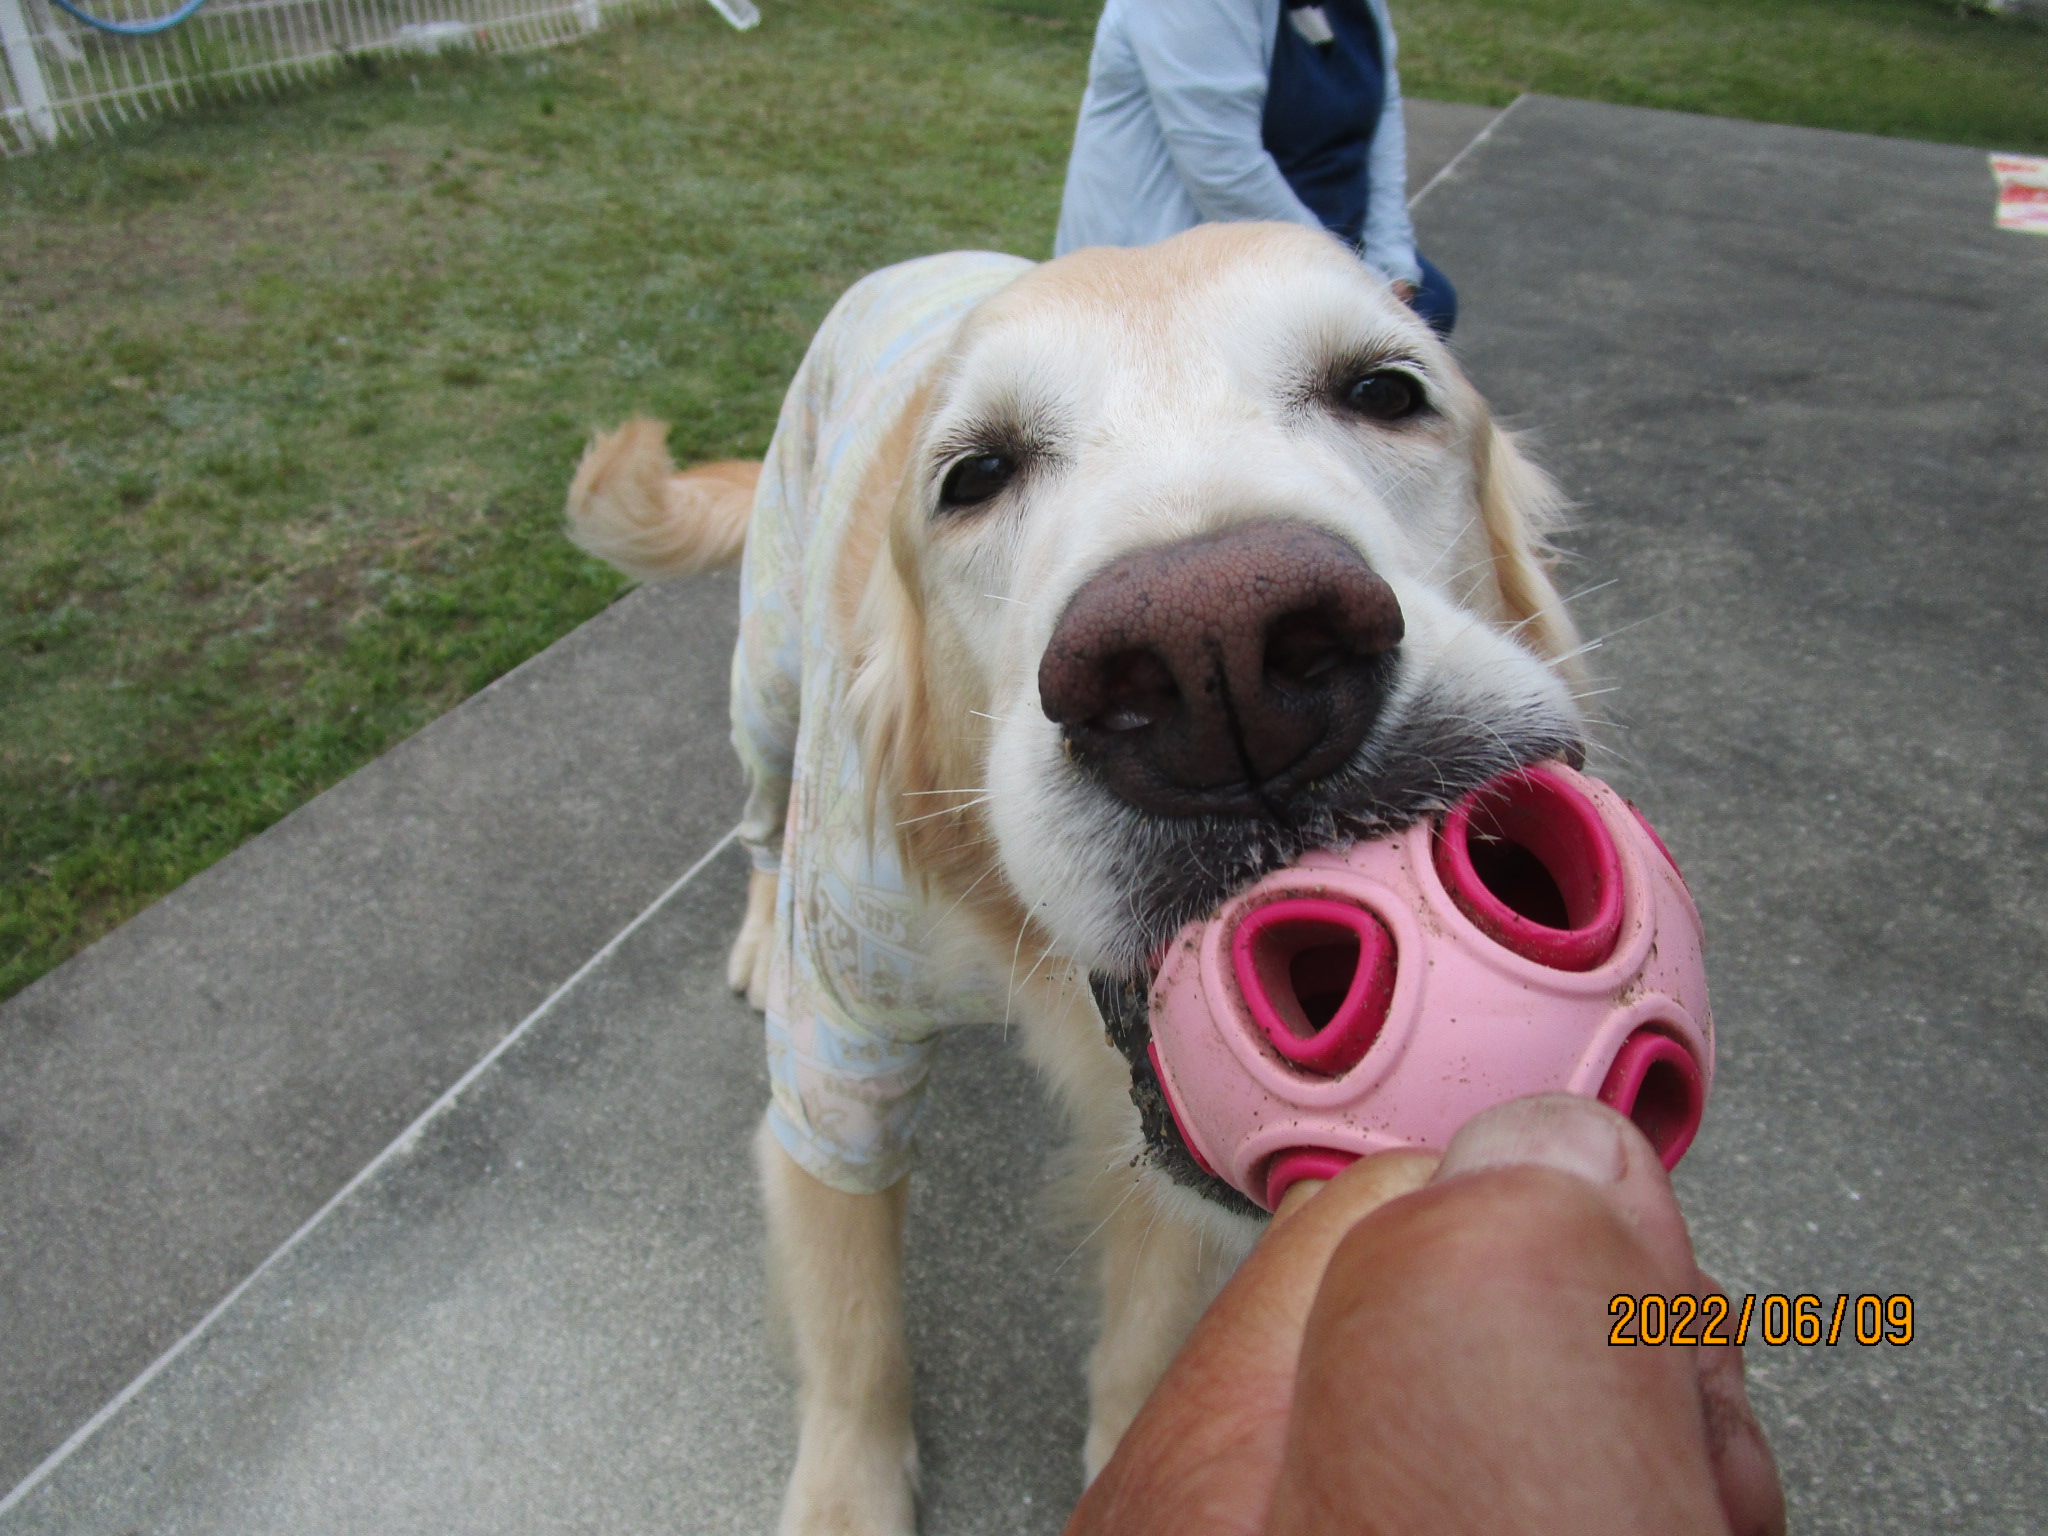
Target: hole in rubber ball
(1664, 1110)
(1519, 880)
(1530, 860)
(1317, 977)
(1655, 1082)
(1321, 977)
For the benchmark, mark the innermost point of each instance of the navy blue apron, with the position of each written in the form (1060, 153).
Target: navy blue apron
(1323, 104)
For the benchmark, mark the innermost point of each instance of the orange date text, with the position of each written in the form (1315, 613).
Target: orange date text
(1775, 1319)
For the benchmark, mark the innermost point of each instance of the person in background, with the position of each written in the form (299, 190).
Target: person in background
(1216, 110)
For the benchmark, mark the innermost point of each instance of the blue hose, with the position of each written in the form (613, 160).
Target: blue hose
(162, 23)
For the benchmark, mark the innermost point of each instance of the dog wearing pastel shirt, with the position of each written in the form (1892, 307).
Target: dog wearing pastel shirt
(1075, 597)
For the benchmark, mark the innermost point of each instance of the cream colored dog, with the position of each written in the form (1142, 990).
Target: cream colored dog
(1165, 565)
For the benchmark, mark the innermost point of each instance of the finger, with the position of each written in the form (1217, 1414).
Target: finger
(1201, 1457)
(1590, 1141)
(1586, 1139)
(1455, 1375)
(1297, 1195)
(1362, 1188)
(1752, 1498)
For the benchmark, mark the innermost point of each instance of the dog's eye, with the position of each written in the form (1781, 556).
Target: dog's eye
(1385, 394)
(976, 478)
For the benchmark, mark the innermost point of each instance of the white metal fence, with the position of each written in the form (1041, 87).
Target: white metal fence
(63, 76)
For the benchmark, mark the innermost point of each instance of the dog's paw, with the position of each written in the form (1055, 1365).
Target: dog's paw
(851, 1480)
(746, 968)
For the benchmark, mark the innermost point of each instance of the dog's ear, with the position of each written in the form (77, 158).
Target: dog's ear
(890, 699)
(1520, 508)
(881, 603)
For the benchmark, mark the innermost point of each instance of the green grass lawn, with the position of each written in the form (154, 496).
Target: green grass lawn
(1924, 69)
(289, 390)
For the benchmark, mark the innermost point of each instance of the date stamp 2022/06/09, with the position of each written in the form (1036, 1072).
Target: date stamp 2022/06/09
(1776, 1319)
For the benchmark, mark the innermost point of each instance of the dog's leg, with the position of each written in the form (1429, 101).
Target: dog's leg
(836, 1267)
(746, 968)
(1163, 1253)
(1158, 1272)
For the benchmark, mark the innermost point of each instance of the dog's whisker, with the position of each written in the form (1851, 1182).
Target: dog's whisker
(1015, 950)
(1063, 1263)
(972, 842)
(1485, 562)
(1508, 753)
(1138, 1259)
(1401, 481)
(1137, 1265)
(973, 789)
(955, 907)
(1598, 586)
(950, 810)
(1615, 756)
(999, 719)
(1450, 582)
(1017, 986)
(1450, 547)
(1474, 622)
(1566, 602)
(1599, 640)
(1608, 746)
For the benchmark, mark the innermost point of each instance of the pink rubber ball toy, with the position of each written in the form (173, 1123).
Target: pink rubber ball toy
(1536, 938)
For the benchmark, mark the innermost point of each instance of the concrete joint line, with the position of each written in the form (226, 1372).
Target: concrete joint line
(406, 1141)
(1458, 159)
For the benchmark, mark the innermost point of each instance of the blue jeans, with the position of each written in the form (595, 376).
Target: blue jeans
(1435, 299)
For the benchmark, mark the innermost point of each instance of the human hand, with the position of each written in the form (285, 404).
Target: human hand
(1404, 290)
(1422, 1348)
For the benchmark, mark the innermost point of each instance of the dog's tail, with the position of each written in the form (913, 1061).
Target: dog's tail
(629, 507)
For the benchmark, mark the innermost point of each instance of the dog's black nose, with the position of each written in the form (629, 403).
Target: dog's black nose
(1223, 673)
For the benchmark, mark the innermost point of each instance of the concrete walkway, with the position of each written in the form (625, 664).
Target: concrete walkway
(1793, 379)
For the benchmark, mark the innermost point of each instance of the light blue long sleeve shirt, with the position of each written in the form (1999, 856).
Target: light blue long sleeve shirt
(1170, 133)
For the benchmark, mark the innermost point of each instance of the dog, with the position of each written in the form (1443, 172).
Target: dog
(1076, 596)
